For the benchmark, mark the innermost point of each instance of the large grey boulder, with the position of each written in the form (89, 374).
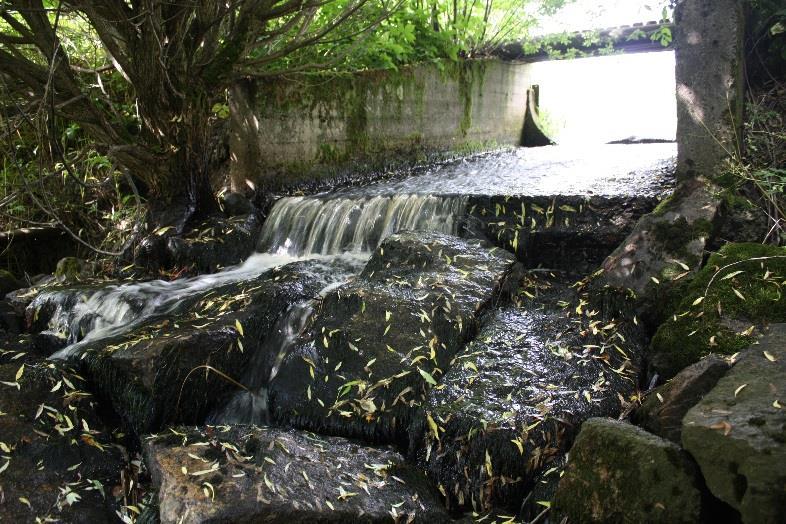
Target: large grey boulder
(662, 411)
(665, 245)
(709, 46)
(154, 374)
(737, 433)
(380, 343)
(514, 399)
(252, 474)
(618, 473)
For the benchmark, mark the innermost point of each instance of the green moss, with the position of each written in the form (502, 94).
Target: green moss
(739, 287)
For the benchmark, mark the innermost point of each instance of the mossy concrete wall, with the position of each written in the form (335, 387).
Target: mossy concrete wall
(303, 126)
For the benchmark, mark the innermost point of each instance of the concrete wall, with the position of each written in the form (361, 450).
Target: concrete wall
(295, 127)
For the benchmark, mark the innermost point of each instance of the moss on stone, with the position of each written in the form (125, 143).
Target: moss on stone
(738, 288)
(675, 236)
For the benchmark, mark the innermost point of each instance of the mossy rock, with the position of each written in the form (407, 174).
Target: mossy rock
(72, 269)
(738, 288)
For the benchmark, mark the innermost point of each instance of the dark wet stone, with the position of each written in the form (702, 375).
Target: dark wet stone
(544, 488)
(573, 233)
(151, 375)
(8, 282)
(252, 474)
(235, 204)
(58, 459)
(737, 433)
(662, 411)
(514, 398)
(213, 244)
(618, 473)
(378, 344)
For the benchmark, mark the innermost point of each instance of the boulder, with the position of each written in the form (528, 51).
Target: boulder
(73, 269)
(236, 204)
(720, 310)
(253, 474)
(665, 245)
(58, 461)
(513, 399)
(215, 243)
(662, 411)
(378, 344)
(156, 373)
(737, 433)
(618, 473)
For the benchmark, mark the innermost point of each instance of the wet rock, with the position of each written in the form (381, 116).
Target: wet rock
(156, 374)
(665, 245)
(378, 344)
(214, 244)
(662, 411)
(513, 400)
(10, 321)
(8, 282)
(235, 204)
(209, 246)
(620, 473)
(544, 489)
(72, 269)
(58, 461)
(572, 233)
(252, 474)
(737, 433)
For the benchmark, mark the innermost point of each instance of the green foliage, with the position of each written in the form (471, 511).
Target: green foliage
(419, 31)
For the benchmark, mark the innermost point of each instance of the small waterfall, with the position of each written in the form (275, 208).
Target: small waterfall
(251, 407)
(302, 226)
(298, 228)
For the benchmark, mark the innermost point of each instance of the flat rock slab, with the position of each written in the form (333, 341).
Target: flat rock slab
(252, 474)
(379, 344)
(737, 433)
(568, 232)
(662, 411)
(156, 374)
(58, 462)
(620, 473)
(513, 400)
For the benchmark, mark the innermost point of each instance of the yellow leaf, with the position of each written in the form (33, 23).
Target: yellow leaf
(769, 356)
(736, 391)
(432, 426)
(697, 301)
(239, 327)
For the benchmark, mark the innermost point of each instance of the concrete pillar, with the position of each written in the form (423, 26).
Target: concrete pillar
(708, 41)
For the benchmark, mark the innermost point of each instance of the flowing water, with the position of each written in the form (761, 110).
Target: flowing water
(341, 229)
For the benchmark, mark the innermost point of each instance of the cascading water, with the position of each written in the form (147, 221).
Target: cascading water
(299, 228)
(305, 226)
